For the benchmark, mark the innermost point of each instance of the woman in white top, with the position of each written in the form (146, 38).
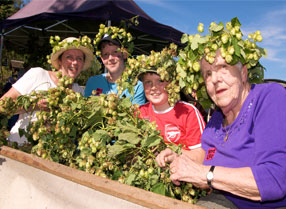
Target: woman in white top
(70, 57)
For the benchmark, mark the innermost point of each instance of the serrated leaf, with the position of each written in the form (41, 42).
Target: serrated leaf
(73, 132)
(116, 174)
(196, 41)
(242, 53)
(154, 178)
(216, 28)
(235, 22)
(126, 103)
(4, 121)
(131, 177)
(132, 138)
(182, 55)
(182, 84)
(184, 38)
(127, 127)
(159, 188)
(102, 136)
(235, 46)
(86, 151)
(151, 141)
(116, 149)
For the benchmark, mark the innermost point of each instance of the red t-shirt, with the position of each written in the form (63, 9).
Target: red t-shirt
(181, 124)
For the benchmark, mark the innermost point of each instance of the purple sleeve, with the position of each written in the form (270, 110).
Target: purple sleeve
(270, 144)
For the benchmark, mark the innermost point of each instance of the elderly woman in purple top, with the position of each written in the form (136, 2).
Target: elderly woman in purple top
(244, 144)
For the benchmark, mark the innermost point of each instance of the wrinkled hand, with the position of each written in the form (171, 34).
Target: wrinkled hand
(166, 156)
(43, 105)
(185, 169)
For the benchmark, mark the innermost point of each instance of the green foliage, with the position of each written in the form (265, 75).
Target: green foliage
(7, 9)
(100, 135)
(228, 39)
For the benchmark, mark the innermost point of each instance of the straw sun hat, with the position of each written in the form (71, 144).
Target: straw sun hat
(73, 43)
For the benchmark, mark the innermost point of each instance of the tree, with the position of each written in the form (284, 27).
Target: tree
(10, 7)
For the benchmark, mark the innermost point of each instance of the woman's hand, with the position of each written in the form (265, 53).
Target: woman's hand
(42, 105)
(166, 156)
(185, 169)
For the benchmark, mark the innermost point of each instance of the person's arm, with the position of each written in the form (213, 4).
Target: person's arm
(265, 180)
(238, 181)
(14, 94)
(196, 155)
(139, 95)
(87, 89)
(270, 144)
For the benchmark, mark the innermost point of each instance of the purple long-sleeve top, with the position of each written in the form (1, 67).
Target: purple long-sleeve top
(256, 139)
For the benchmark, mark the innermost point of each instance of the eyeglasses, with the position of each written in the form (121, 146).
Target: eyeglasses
(113, 54)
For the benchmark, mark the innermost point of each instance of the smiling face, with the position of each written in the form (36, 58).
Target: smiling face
(226, 84)
(155, 92)
(112, 58)
(71, 62)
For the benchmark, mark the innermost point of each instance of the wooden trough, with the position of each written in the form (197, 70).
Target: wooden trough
(30, 182)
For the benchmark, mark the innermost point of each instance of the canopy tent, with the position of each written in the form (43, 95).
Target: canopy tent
(42, 18)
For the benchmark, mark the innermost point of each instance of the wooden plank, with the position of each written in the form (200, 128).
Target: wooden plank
(114, 188)
(23, 186)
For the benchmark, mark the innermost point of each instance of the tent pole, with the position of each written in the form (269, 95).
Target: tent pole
(108, 25)
(1, 48)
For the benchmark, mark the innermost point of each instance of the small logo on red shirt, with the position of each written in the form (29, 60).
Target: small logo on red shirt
(172, 133)
(211, 153)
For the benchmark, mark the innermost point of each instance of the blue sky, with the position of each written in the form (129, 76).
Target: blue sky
(268, 16)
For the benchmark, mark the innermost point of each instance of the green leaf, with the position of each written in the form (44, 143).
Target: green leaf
(102, 136)
(4, 122)
(127, 127)
(154, 179)
(182, 55)
(126, 103)
(196, 41)
(73, 132)
(86, 151)
(151, 141)
(159, 188)
(21, 132)
(116, 175)
(216, 28)
(27, 105)
(117, 149)
(191, 78)
(132, 138)
(235, 22)
(190, 55)
(130, 178)
(92, 119)
(184, 38)
(235, 46)
(182, 83)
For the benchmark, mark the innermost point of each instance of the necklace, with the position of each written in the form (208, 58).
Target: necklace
(227, 131)
(226, 136)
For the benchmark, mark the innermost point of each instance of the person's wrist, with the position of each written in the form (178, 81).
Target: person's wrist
(210, 176)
